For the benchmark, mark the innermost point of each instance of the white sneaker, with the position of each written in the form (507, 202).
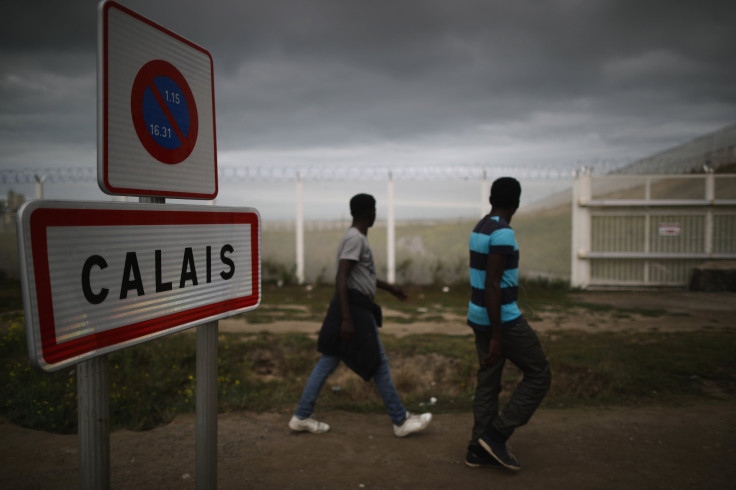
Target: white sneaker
(311, 425)
(413, 423)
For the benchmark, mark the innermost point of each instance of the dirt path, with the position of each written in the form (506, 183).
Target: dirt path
(634, 448)
(646, 448)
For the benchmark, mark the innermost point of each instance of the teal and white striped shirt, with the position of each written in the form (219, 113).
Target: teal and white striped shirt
(493, 235)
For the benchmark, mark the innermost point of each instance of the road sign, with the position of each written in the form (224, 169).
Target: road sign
(156, 103)
(164, 112)
(100, 276)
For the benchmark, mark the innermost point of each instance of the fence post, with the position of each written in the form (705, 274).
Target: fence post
(710, 195)
(39, 185)
(391, 233)
(299, 229)
(484, 194)
(581, 194)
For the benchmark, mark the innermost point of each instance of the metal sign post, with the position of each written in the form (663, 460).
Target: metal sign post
(206, 406)
(93, 399)
(98, 277)
(101, 276)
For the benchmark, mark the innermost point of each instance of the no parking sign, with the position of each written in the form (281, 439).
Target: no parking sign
(156, 110)
(164, 112)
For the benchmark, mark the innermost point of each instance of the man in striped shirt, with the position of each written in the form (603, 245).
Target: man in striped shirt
(501, 332)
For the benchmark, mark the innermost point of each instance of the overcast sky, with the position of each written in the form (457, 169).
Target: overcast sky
(396, 82)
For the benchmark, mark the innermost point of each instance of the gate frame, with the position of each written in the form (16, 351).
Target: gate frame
(584, 207)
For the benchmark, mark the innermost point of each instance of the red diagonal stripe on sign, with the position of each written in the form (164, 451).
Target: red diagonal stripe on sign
(168, 114)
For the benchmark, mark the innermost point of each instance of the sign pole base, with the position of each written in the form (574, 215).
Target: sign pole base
(94, 423)
(206, 401)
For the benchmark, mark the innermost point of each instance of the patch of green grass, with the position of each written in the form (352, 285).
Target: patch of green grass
(640, 368)
(11, 298)
(149, 384)
(32, 398)
(542, 294)
(152, 382)
(624, 312)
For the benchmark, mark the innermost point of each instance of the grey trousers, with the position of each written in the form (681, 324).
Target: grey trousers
(520, 346)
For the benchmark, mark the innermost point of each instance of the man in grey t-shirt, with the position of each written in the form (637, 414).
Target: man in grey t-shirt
(354, 247)
(356, 284)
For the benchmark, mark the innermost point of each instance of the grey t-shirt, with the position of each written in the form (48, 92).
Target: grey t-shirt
(354, 246)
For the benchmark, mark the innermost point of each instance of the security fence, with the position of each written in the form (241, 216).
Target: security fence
(650, 230)
(627, 230)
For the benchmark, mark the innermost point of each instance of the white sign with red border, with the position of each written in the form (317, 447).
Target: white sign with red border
(101, 276)
(156, 103)
(669, 229)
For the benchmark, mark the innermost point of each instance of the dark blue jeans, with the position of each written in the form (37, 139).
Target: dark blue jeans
(520, 346)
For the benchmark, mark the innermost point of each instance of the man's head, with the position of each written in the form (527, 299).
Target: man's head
(363, 206)
(505, 193)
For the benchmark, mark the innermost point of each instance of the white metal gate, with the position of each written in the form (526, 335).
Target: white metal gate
(650, 230)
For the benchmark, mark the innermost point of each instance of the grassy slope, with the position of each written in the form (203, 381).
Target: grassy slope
(429, 253)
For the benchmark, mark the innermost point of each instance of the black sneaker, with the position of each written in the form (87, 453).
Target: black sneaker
(500, 451)
(478, 458)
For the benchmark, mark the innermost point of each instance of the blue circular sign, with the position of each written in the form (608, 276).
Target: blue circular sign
(164, 112)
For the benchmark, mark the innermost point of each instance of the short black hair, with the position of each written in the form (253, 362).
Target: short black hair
(361, 205)
(505, 193)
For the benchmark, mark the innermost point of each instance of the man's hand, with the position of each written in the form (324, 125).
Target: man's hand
(347, 330)
(495, 353)
(399, 292)
(495, 265)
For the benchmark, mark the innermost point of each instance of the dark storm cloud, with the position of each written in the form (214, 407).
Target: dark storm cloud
(609, 77)
(396, 71)
(47, 26)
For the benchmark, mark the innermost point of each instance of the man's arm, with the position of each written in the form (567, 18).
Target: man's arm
(397, 291)
(343, 272)
(494, 273)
